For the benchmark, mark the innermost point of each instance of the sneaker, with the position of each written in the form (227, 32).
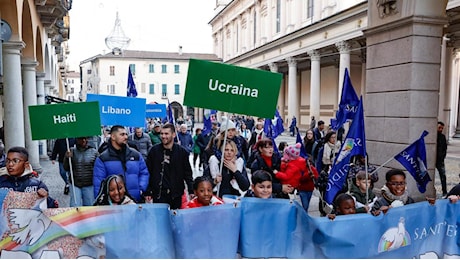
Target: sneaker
(66, 189)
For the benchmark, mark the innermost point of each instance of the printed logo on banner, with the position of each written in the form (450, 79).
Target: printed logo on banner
(155, 110)
(394, 237)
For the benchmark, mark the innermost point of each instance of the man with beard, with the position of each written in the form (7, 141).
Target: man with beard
(120, 159)
(169, 167)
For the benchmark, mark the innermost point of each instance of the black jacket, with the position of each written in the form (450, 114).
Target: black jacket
(180, 170)
(259, 164)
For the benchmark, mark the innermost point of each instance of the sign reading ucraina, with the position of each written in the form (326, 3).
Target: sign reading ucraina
(231, 88)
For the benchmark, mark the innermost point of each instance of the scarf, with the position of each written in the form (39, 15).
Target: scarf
(390, 197)
(267, 160)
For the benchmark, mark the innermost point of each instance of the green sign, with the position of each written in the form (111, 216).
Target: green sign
(65, 120)
(232, 89)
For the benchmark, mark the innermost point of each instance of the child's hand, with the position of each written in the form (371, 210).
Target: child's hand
(331, 216)
(432, 201)
(42, 193)
(453, 198)
(287, 188)
(275, 171)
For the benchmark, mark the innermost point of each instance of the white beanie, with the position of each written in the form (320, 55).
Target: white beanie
(226, 124)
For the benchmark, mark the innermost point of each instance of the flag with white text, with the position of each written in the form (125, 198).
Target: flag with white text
(413, 158)
(354, 144)
(348, 103)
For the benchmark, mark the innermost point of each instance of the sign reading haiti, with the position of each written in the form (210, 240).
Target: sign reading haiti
(64, 120)
(232, 89)
(125, 111)
(155, 110)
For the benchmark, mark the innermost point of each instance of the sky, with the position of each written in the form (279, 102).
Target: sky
(152, 25)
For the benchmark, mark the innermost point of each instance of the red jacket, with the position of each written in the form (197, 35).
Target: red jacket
(295, 172)
(306, 182)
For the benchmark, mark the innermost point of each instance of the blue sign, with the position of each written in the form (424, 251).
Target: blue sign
(115, 110)
(155, 110)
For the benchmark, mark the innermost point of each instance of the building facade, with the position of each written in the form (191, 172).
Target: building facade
(159, 76)
(33, 57)
(402, 56)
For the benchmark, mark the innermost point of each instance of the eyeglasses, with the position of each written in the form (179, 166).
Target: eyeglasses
(400, 184)
(14, 161)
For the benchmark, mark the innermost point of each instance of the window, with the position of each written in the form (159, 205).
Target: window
(111, 89)
(142, 87)
(176, 89)
(112, 70)
(152, 89)
(133, 68)
(164, 90)
(309, 8)
(151, 68)
(164, 68)
(88, 72)
(176, 69)
(278, 15)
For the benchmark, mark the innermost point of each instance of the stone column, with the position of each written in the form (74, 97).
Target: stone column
(12, 94)
(402, 88)
(30, 99)
(454, 117)
(293, 104)
(315, 84)
(274, 68)
(344, 49)
(41, 101)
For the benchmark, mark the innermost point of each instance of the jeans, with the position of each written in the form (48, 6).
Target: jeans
(85, 196)
(63, 173)
(305, 197)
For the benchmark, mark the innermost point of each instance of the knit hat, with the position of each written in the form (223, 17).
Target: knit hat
(226, 124)
(292, 152)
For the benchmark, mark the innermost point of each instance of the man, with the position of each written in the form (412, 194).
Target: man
(185, 138)
(59, 150)
(155, 134)
(318, 131)
(169, 167)
(441, 152)
(119, 158)
(312, 122)
(141, 140)
(83, 157)
(189, 123)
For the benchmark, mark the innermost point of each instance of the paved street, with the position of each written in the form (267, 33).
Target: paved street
(55, 184)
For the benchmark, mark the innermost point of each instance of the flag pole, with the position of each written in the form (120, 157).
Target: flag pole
(381, 166)
(223, 146)
(71, 172)
(367, 178)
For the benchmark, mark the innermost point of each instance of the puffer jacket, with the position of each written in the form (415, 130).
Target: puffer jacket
(82, 165)
(27, 182)
(127, 162)
(143, 143)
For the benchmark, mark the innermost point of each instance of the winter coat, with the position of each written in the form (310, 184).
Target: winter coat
(143, 143)
(155, 137)
(180, 170)
(292, 171)
(240, 175)
(196, 148)
(259, 164)
(127, 162)
(194, 203)
(306, 182)
(186, 141)
(27, 182)
(60, 148)
(82, 165)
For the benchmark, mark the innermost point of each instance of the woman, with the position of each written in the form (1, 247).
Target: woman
(331, 147)
(245, 132)
(308, 142)
(266, 159)
(233, 179)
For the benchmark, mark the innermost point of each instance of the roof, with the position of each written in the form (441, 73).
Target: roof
(132, 54)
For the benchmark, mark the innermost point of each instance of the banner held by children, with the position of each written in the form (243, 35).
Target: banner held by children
(231, 88)
(64, 120)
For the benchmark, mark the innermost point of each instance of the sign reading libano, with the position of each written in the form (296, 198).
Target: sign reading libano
(68, 118)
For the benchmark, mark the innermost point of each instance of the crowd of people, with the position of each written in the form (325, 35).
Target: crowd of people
(235, 158)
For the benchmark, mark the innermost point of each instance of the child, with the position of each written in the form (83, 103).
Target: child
(292, 167)
(394, 193)
(307, 184)
(344, 204)
(21, 177)
(261, 186)
(202, 187)
(113, 192)
(281, 148)
(358, 191)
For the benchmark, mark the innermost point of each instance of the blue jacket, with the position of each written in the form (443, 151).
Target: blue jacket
(127, 162)
(26, 183)
(186, 141)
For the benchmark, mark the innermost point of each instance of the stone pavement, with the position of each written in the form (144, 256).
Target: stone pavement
(55, 184)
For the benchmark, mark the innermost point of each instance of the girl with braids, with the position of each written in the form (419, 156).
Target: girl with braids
(113, 192)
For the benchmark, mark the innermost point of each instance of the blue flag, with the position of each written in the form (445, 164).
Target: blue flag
(354, 144)
(413, 158)
(303, 152)
(207, 123)
(348, 103)
(131, 89)
(170, 114)
(279, 128)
